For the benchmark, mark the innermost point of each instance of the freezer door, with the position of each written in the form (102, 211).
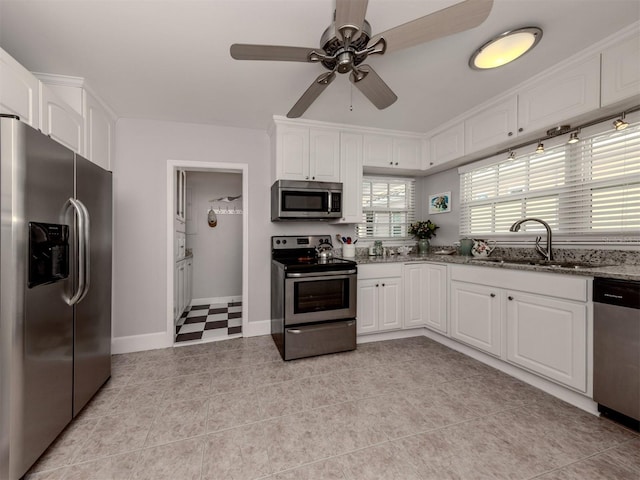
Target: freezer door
(37, 181)
(92, 362)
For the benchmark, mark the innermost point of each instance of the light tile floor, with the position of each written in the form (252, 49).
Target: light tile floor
(396, 410)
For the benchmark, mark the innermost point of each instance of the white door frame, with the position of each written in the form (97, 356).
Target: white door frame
(214, 167)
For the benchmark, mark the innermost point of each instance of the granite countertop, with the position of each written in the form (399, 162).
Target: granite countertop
(606, 269)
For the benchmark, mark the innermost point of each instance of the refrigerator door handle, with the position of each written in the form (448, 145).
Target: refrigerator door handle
(81, 252)
(85, 262)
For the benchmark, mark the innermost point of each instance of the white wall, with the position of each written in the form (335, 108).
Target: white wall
(217, 251)
(447, 181)
(140, 230)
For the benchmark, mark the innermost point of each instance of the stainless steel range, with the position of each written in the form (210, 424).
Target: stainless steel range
(313, 297)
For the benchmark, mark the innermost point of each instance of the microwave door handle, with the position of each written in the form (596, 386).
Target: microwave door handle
(329, 203)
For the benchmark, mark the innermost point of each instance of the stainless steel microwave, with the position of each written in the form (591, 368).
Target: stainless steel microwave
(296, 200)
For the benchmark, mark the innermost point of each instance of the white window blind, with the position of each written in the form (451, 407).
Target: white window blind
(388, 207)
(590, 188)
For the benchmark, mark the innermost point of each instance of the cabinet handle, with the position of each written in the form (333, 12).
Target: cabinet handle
(521, 129)
(396, 163)
(313, 178)
(377, 285)
(390, 163)
(383, 284)
(430, 163)
(306, 178)
(510, 297)
(510, 134)
(493, 295)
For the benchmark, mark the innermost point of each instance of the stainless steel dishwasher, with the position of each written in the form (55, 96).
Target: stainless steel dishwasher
(616, 338)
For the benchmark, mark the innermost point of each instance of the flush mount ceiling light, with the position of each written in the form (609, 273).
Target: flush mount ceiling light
(620, 123)
(505, 48)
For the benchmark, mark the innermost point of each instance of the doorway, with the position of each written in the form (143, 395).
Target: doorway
(207, 253)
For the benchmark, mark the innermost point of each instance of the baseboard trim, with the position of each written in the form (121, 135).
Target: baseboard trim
(213, 300)
(138, 343)
(394, 335)
(256, 329)
(576, 399)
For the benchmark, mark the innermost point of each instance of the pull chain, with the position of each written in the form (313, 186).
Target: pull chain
(351, 99)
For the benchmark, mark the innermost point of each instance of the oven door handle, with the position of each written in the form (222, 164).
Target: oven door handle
(322, 274)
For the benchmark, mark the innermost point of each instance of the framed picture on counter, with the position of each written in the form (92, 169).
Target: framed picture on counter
(440, 203)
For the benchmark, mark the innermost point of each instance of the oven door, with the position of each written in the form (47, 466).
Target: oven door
(319, 296)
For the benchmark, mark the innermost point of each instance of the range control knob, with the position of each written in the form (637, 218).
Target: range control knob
(284, 242)
(277, 242)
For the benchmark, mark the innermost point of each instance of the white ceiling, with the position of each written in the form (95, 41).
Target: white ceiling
(169, 59)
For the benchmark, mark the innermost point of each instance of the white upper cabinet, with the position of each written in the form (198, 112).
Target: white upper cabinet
(492, 126)
(621, 71)
(568, 93)
(99, 129)
(19, 91)
(447, 145)
(324, 154)
(390, 151)
(60, 121)
(407, 153)
(378, 151)
(303, 153)
(351, 177)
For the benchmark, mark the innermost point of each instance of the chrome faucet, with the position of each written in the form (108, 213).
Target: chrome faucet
(547, 254)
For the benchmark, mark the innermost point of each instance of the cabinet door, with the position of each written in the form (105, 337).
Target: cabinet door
(447, 145)
(60, 121)
(561, 96)
(19, 93)
(407, 153)
(378, 151)
(436, 297)
(181, 295)
(492, 126)
(390, 303)
(416, 287)
(99, 129)
(475, 316)
(621, 71)
(549, 337)
(367, 314)
(324, 155)
(351, 177)
(188, 283)
(292, 153)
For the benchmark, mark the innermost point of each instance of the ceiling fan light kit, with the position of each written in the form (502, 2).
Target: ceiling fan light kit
(348, 42)
(505, 48)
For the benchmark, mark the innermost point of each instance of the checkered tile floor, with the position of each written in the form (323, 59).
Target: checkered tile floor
(219, 320)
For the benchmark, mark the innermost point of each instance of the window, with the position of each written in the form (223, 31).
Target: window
(591, 188)
(388, 207)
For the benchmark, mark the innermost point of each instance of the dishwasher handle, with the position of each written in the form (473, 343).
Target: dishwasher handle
(622, 293)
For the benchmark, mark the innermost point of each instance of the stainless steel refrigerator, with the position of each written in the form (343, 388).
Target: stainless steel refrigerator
(55, 290)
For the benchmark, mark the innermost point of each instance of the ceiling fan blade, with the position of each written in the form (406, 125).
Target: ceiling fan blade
(454, 19)
(243, 51)
(350, 17)
(313, 92)
(373, 87)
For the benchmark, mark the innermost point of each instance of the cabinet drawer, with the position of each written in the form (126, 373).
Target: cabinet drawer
(379, 271)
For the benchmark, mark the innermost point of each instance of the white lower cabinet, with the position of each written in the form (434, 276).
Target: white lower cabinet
(425, 296)
(548, 336)
(538, 321)
(379, 298)
(475, 316)
(182, 286)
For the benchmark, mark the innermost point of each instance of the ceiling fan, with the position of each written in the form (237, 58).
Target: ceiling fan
(348, 42)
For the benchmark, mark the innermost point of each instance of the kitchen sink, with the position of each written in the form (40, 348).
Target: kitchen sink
(541, 263)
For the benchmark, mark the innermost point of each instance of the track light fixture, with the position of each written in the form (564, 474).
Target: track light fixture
(620, 123)
(573, 138)
(540, 148)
